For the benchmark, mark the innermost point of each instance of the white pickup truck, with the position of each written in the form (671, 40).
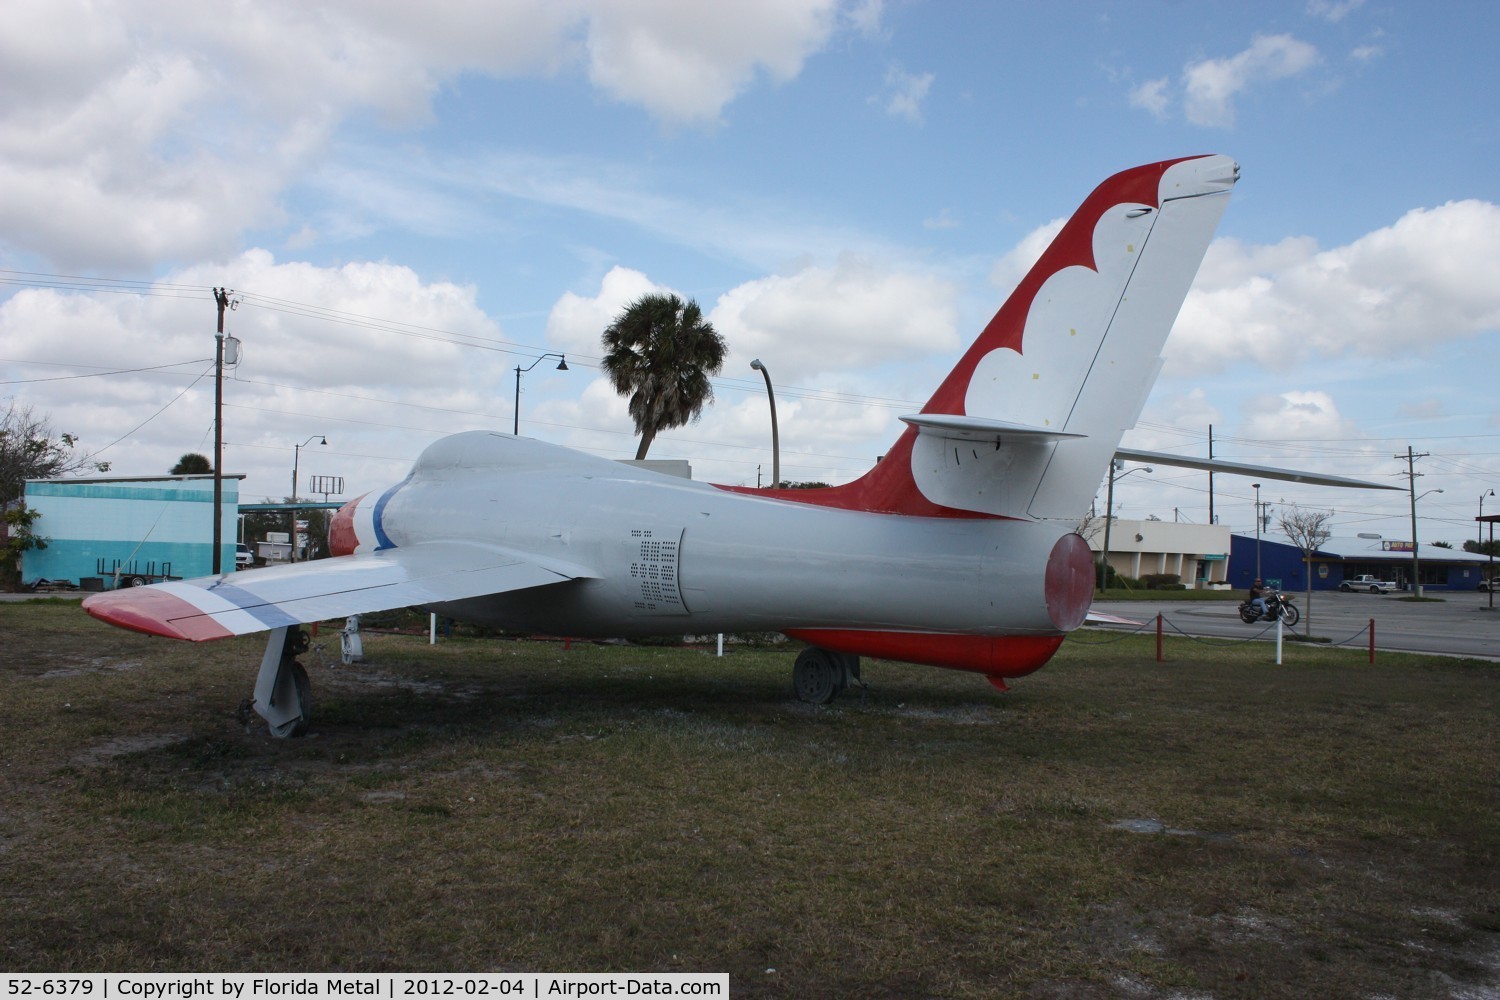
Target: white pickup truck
(1368, 583)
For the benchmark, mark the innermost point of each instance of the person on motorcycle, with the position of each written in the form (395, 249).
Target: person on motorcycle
(1258, 599)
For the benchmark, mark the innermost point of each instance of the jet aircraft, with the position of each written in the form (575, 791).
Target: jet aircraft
(957, 550)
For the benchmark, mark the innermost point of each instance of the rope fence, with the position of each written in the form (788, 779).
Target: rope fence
(1365, 636)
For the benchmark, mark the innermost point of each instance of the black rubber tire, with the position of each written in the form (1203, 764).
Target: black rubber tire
(818, 676)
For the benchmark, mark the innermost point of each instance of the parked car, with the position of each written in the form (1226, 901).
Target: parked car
(243, 557)
(1368, 583)
(1493, 583)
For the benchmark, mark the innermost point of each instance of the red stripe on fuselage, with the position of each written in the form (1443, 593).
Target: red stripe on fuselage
(993, 655)
(154, 612)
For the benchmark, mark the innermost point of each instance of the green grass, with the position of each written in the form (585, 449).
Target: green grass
(488, 804)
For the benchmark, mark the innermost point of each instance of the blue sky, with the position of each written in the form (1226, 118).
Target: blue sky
(410, 201)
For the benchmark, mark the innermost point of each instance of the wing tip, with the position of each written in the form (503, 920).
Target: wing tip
(154, 612)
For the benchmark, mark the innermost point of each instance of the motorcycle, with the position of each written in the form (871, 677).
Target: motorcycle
(1278, 605)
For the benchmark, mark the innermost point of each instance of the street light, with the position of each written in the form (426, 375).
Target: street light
(1257, 530)
(775, 439)
(1109, 514)
(296, 461)
(562, 366)
(1489, 579)
(1416, 562)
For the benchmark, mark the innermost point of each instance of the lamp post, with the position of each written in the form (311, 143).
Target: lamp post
(1416, 562)
(562, 366)
(775, 438)
(1489, 580)
(296, 460)
(1109, 515)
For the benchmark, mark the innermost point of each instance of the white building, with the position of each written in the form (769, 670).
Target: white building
(1196, 553)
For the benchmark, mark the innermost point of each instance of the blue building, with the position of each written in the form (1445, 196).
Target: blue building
(127, 530)
(1343, 558)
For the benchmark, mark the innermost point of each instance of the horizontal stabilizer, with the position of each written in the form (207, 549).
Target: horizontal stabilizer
(1100, 618)
(961, 428)
(1243, 469)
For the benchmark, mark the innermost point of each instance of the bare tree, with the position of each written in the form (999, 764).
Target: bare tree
(1308, 530)
(1090, 527)
(31, 449)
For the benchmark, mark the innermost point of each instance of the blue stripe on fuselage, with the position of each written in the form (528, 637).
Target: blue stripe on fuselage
(382, 540)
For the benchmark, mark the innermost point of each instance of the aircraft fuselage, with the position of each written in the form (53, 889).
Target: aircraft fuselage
(658, 555)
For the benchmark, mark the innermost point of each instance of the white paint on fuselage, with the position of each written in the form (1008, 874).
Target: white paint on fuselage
(745, 563)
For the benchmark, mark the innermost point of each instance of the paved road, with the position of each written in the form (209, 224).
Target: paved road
(1460, 624)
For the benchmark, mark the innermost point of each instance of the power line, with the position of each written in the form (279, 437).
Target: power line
(64, 378)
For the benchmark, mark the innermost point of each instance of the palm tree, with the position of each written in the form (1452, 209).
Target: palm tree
(661, 352)
(192, 464)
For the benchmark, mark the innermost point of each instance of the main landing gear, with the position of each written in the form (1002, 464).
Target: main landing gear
(821, 675)
(283, 694)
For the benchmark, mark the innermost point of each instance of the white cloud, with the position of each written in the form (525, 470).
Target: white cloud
(866, 17)
(945, 219)
(843, 318)
(1296, 415)
(148, 130)
(1010, 269)
(685, 61)
(577, 322)
(1152, 96)
(1211, 85)
(847, 317)
(1432, 276)
(905, 92)
(378, 333)
(1333, 10)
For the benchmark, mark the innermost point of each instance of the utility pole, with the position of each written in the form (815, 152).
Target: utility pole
(1211, 475)
(1411, 481)
(221, 298)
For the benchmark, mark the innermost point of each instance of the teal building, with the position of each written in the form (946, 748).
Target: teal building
(129, 530)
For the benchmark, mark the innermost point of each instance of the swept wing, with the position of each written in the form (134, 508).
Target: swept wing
(255, 600)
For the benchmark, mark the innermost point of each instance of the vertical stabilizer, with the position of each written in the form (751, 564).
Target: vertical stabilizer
(1026, 423)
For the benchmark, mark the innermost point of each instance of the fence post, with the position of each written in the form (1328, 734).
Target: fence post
(1158, 637)
(1372, 642)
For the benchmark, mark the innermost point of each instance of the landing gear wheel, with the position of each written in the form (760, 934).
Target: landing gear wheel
(818, 676)
(303, 693)
(1290, 614)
